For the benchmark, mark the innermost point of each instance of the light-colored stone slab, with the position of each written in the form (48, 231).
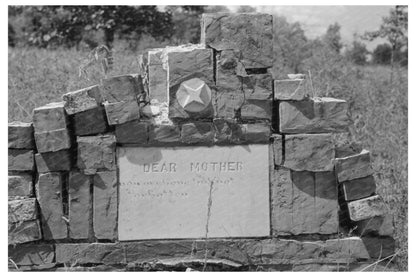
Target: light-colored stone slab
(49, 117)
(169, 192)
(290, 89)
(82, 100)
(367, 208)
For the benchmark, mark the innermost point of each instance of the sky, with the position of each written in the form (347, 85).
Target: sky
(316, 19)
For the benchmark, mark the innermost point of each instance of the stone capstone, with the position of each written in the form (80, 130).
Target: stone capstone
(251, 34)
(82, 100)
(121, 88)
(291, 89)
(367, 208)
(49, 117)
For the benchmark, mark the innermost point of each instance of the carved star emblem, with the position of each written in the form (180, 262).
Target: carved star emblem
(194, 95)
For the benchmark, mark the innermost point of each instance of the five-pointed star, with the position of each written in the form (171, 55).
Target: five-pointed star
(194, 95)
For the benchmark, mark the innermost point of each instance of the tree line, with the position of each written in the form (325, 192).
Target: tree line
(72, 26)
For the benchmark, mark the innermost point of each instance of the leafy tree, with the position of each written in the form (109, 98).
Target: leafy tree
(394, 29)
(333, 37)
(186, 21)
(382, 54)
(291, 45)
(357, 53)
(246, 9)
(216, 9)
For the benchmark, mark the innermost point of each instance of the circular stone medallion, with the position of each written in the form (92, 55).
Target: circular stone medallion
(194, 95)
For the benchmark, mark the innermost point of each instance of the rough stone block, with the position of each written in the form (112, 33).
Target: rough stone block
(96, 153)
(252, 34)
(256, 132)
(379, 225)
(311, 152)
(291, 89)
(32, 254)
(51, 141)
(22, 210)
(229, 72)
(21, 232)
(185, 65)
(133, 132)
(228, 104)
(105, 205)
(121, 88)
(228, 131)
(353, 247)
(80, 202)
(278, 149)
(303, 202)
(353, 167)
(49, 117)
(317, 115)
(258, 86)
(122, 112)
(367, 208)
(256, 109)
(379, 247)
(164, 133)
(21, 160)
(20, 184)
(198, 132)
(359, 188)
(82, 100)
(86, 253)
(49, 194)
(21, 135)
(90, 122)
(54, 161)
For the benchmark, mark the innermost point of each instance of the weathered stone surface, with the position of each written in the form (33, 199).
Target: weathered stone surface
(133, 132)
(54, 161)
(121, 88)
(252, 34)
(90, 122)
(228, 104)
(258, 86)
(256, 109)
(317, 115)
(197, 132)
(21, 135)
(49, 117)
(379, 247)
(80, 202)
(353, 167)
(277, 149)
(158, 83)
(21, 232)
(242, 251)
(32, 254)
(51, 141)
(49, 196)
(228, 131)
(96, 153)
(303, 202)
(20, 184)
(291, 89)
(187, 63)
(256, 133)
(174, 184)
(82, 100)
(105, 205)
(367, 208)
(22, 210)
(21, 160)
(122, 112)
(359, 188)
(379, 225)
(164, 133)
(311, 152)
(229, 72)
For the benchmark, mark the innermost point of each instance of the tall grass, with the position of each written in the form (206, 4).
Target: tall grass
(378, 107)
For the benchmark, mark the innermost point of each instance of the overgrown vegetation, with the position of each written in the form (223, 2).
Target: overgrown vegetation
(377, 93)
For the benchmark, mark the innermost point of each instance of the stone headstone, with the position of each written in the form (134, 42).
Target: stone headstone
(180, 192)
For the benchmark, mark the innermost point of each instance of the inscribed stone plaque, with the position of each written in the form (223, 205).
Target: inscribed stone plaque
(176, 192)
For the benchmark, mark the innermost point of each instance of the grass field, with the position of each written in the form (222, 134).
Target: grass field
(378, 105)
